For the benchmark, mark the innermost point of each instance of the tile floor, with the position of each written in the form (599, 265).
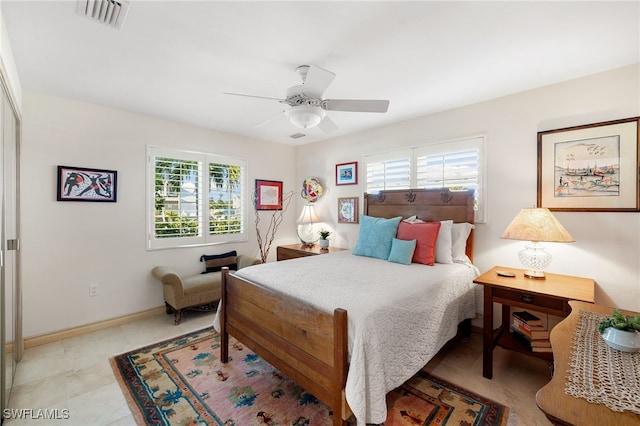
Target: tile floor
(74, 374)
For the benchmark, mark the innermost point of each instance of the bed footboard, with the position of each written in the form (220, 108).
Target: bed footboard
(307, 345)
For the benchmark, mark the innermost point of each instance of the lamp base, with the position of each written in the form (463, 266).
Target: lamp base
(533, 274)
(307, 234)
(535, 260)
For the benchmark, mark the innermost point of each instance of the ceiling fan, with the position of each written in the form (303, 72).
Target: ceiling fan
(308, 108)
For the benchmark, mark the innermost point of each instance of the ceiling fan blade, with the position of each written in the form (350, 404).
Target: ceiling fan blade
(252, 96)
(317, 81)
(327, 125)
(355, 105)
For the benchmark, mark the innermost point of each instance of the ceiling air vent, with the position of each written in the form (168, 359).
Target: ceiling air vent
(297, 135)
(108, 12)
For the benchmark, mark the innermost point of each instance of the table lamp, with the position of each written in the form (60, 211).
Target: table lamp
(536, 225)
(306, 226)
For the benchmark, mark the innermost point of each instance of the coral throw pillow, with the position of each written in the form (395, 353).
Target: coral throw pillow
(425, 234)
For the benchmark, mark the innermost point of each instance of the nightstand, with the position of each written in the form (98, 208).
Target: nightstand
(294, 251)
(549, 296)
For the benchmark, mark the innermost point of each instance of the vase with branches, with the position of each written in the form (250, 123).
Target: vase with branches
(264, 243)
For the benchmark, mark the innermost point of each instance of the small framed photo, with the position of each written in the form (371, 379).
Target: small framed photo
(84, 184)
(592, 168)
(348, 210)
(268, 195)
(347, 173)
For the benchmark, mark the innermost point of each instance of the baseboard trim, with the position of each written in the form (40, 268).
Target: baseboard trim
(88, 328)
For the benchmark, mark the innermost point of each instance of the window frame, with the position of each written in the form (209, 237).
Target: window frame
(203, 187)
(435, 148)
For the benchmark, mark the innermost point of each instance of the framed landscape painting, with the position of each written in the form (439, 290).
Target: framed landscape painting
(590, 168)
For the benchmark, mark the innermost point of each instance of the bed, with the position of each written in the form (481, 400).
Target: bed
(300, 315)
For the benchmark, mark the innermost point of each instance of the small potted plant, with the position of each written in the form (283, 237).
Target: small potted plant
(324, 238)
(621, 331)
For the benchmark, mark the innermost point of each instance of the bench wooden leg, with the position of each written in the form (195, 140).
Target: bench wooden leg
(177, 317)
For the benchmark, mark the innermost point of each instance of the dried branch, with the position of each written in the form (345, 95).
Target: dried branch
(276, 219)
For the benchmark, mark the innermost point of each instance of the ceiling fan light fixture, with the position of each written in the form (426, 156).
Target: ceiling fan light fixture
(305, 116)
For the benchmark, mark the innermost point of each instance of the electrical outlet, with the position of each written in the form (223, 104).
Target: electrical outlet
(93, 290)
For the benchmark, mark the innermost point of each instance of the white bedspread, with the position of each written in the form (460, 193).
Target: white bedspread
(399, 316)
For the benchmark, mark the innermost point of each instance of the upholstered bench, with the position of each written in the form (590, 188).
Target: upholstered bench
(195, 292)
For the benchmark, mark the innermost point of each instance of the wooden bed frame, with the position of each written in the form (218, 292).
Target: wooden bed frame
(307, 345)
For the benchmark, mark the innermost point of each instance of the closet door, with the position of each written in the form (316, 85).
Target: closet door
(5, 289)
(9, 234)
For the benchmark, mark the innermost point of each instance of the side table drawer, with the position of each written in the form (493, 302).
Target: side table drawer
(284, 253)
(537, 302)
(293, 251)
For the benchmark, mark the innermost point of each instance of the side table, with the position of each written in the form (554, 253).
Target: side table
(294, 251)
(550, 296)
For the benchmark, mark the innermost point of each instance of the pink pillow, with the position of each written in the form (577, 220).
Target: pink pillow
(425, 234)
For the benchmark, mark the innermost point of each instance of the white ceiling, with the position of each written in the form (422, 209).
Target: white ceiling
(175, 59)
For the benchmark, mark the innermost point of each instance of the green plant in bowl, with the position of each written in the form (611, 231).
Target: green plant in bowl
(620, 321)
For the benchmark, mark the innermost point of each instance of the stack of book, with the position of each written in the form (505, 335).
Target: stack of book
(529, 329)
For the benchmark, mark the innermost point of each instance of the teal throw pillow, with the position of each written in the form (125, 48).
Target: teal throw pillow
(402, 251)
(375, 237)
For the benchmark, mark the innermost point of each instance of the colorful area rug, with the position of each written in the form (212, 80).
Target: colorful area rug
(181, 381)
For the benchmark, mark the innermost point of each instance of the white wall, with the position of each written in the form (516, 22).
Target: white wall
(607, 246)
(68, 245)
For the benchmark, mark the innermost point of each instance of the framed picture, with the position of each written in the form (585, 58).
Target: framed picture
(347, 173)
(590, 168)
(268, 195)
(348, 210)
(84, 184)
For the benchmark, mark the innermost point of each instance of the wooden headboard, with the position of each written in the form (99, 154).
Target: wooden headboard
(429, 205)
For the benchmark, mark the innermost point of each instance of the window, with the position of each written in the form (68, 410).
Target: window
(195, 198)
(391, 170)
(457, 164)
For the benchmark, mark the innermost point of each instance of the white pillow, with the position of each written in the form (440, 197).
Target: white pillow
(444, 242)
(459, 234)
(413, 219)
